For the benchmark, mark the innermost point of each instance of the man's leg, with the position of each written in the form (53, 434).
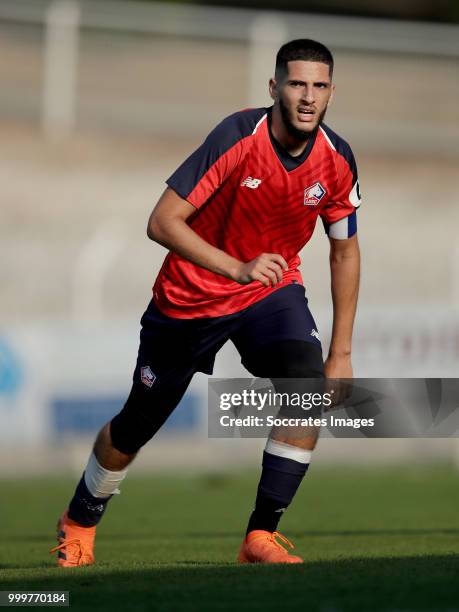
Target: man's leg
(275, 341)
(117, 444)
(287, 456)
(163, 372)
(170, 352)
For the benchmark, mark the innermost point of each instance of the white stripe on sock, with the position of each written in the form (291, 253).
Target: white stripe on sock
(288, 451)
(102, 482)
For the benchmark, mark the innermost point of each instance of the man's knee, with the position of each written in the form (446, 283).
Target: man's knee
(142, 416)
(127, 433)
(107, 455)
(287, 359)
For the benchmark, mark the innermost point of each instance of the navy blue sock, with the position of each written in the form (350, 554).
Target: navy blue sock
(85, 508)
(280, 479)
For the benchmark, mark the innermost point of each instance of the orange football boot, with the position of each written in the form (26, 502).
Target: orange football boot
(76, 543)
(261, 547)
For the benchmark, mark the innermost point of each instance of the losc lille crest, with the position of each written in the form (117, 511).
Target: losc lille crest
(313, 194)
(147, 376)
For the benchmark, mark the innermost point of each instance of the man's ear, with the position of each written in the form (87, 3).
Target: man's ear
(273, 88)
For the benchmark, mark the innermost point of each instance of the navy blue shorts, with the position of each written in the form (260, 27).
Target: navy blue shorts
(276, 338)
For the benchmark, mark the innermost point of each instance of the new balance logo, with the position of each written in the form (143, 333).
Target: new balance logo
(93, 508)
(251, 182)
(315, 334)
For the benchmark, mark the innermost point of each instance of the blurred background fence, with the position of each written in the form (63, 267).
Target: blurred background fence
(99, 103)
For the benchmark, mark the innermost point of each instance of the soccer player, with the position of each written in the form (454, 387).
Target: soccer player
(234, 217)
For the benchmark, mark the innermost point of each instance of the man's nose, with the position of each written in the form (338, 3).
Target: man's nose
(308, 94)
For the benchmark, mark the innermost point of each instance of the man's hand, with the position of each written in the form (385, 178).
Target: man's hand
(266, 268)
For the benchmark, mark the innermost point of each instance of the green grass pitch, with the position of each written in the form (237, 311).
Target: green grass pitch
(382, 539)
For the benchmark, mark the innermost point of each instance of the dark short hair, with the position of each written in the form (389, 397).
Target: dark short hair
(302, 49)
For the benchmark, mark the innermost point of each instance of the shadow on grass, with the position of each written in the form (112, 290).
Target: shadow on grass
(292, 533)
(382, 584)
(209, 535)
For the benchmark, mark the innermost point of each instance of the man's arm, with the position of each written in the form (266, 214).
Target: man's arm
(345, 276)
(168, 226)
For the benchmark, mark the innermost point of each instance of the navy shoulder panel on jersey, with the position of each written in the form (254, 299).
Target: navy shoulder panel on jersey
(236, 126)
(342, 147)
(224, 136)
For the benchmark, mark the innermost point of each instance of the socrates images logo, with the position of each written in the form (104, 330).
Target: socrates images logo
(313, 194)
(147, 376)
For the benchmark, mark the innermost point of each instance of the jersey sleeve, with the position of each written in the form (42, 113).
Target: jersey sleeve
(339, 214)
(209, 166)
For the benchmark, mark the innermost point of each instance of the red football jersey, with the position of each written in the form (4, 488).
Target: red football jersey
(249, 200)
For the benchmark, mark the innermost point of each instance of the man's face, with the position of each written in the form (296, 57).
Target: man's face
(303, 95)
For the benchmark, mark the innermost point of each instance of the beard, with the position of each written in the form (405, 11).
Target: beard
(295, 132)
